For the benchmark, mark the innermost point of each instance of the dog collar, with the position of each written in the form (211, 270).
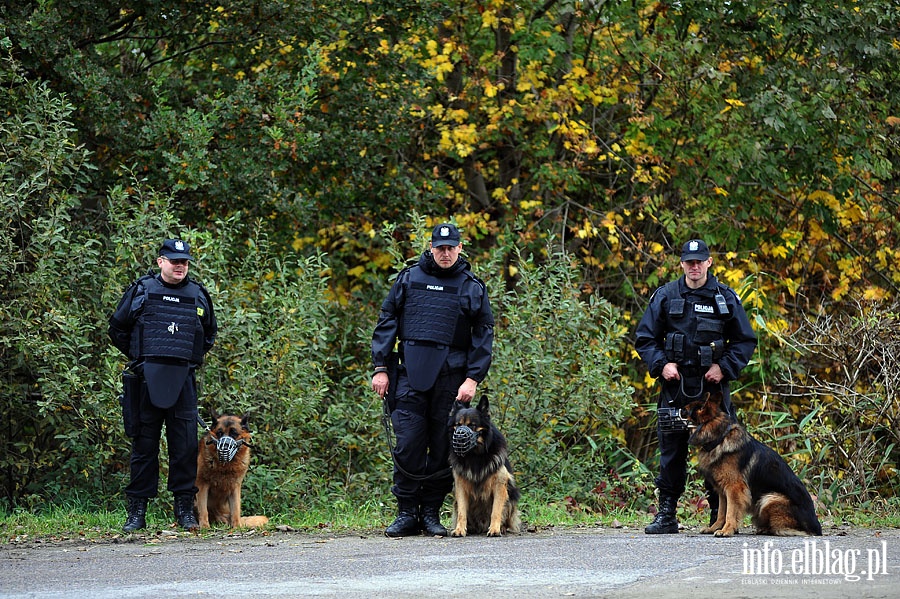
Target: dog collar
(713, 444)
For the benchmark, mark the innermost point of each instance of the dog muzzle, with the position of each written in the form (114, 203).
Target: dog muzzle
(227, 448)
(671, 419)
(464, 440)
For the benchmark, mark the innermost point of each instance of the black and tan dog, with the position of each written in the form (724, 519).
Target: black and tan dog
(485, 496)
(222, 464)
(749, 477)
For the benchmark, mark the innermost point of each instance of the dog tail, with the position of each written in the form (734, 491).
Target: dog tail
(779, 515)
(809, 522)
(254, 521)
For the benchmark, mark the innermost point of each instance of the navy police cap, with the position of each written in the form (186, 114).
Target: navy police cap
(695, 249)
(445, 234)
(175, 249)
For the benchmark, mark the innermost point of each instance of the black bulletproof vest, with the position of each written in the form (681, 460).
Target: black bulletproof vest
(695, 336)
(169, 324)
(431, 312)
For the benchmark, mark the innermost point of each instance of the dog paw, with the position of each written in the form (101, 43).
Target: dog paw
(724, 533)
(458, 533)
(493, 533)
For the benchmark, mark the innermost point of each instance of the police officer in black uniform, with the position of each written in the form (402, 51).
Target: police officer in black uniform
(441, 315)
(165, 324)
(696, 335)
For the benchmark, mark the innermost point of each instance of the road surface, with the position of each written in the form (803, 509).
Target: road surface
(594, 562)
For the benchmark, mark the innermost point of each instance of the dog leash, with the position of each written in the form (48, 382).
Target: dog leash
(389, 434)
(202, 423)
(684, 394)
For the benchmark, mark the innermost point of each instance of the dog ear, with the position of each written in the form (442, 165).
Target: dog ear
(484, 405)
(213, 415)
(245, 420)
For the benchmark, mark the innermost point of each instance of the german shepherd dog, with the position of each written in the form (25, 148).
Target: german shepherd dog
(748, 476)
(222, 464)
(485, 496)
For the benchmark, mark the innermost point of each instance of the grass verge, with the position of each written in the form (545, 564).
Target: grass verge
(75, 522)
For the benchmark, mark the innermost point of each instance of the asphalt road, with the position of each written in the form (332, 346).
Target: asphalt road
(617, 563)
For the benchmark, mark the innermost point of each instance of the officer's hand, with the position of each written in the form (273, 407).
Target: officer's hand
(380, 383)
(670, 372)
(714, 374)
(466, 391)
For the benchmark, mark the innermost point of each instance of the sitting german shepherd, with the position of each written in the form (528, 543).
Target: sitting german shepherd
(748, 476)
(222, 464)
(485, 494)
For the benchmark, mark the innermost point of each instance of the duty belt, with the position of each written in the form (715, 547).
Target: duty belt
(432, 344)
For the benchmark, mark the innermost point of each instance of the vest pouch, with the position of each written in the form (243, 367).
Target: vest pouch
(675, 347)
(708, 330)
(718, 350)
(706, 356)
(676, 306)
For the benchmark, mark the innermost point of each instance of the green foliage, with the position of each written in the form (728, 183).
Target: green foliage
(844, 411)
(48, 284)
(554, 382)
(277, 136)
(298, 363)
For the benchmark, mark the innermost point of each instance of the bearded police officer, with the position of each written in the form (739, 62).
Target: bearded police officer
(441, 315)
(165, 324)
(696, 335)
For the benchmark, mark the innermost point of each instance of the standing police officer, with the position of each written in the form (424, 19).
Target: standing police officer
(441, 315)
(165, 324)
(696, 335)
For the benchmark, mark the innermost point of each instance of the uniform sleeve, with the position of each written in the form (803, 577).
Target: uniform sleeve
(650, 336)
(480, 352)
(740, 340)
(386, 329)
(121, 323)
(209, 321)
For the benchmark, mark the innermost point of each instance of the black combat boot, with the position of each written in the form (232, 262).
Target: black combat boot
(137, 514)
(184, 512)
(407, 522)
(431, 521)
(665, 522)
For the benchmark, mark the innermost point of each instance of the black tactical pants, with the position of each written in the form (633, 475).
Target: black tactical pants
(181, 439)
(423, 441)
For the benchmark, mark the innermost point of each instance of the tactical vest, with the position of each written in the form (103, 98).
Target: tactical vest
(431, 312)
(169, 324)
(696, 331)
